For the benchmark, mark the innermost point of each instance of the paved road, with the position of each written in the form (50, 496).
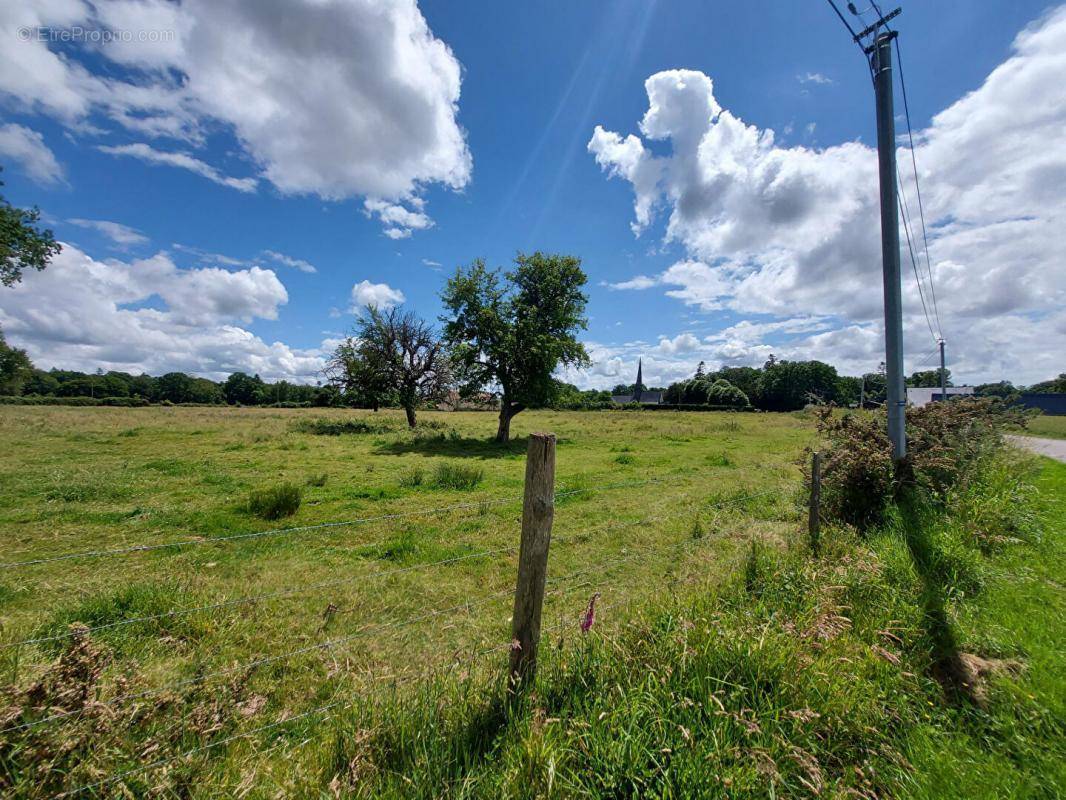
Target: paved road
(1054, 448)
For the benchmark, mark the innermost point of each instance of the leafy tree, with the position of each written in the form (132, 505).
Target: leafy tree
(723, 393)
(1054, 386)
(791, 385)
(928, 378)
(242, 389)
(1003, 389)
(202, 390)
(175, 387)
(412, 359)
(81, 386)
(15, 368)
(355, 372)
(40, 382)
(744, 378)
(22, 244)
(516, 335)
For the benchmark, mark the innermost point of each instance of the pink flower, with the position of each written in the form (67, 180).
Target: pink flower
(590, 615)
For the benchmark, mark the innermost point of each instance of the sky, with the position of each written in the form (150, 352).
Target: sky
(234, 179)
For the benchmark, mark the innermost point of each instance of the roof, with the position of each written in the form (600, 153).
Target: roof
(652, 398)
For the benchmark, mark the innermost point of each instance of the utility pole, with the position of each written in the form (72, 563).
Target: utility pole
(881, 61)
(879, 54)
(943, 373)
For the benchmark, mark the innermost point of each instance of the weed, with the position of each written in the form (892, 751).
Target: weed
(719, 460)
(624, 458)
(318, 479)
(412, 478)
(457, 476)
(275, 502)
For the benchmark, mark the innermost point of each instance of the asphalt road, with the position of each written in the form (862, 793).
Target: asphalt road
(1053, 448)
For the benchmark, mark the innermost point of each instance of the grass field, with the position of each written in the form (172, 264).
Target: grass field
(725, 661)
(649, 502)
(1050, 427)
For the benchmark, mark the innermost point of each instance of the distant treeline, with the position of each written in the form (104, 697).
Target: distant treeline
(779, 385)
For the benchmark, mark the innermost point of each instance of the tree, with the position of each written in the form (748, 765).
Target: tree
(22, 245)
(744, 378)
(723, 393)
(242, 389)
(1003, 389)
(790, 385)
(516, 335)
(15, 368)
(412, 359)
(363, 382)
(1054, 386)
(175, 387)
(928, 378)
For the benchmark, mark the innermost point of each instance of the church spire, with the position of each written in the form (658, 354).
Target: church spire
(640, 382)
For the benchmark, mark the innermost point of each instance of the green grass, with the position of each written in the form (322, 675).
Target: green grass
(1048, 427)
(724, 661)
(275, 502)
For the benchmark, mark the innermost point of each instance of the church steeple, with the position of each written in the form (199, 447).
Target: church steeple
(640, 382)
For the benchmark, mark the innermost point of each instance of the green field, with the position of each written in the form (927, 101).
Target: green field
(648, 502)
(366, 658)
(1050, 427)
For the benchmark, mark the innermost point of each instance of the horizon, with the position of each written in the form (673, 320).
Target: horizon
(718, 184)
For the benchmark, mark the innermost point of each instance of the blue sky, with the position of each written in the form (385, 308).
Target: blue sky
(470, 131)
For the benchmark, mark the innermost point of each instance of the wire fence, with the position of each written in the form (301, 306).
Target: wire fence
(594, 574)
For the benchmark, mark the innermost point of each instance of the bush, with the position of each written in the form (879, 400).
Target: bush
(457, 476)
(944, 442)
(275, 502)
(412, 478)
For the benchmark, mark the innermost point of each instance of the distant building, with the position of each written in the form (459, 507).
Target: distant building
(640, 394)
(1051, 404)
(923, 395)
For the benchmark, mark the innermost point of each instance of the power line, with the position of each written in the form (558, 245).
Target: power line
(917, 185)
(904, 213)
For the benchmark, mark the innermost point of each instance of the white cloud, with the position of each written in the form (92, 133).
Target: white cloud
(435, 265)
(814, 77)
(379, 118)
(399, 221)
(682, 343)
(289, 261)
(793, 232)
(144, 152)
(638, 282)
(148, 315)
(27, 148)
(382, 295)
(122, 235)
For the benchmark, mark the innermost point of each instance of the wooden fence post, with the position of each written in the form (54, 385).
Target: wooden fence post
(538, 511)
(814, 520)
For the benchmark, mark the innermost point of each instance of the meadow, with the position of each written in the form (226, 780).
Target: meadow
(1047, 426)
(357, 646)
(418, 576)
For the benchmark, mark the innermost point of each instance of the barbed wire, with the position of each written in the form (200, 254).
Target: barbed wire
(255, 598)
(331, 643)
(142, 548)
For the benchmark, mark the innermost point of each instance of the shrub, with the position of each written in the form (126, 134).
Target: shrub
(317, 480)
(944, 442)
(457, 476)
(275, 502)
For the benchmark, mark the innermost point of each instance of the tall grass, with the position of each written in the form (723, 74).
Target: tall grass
(275, 502)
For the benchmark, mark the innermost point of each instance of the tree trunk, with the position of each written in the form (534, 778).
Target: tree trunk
(410, 410)
(503, 433)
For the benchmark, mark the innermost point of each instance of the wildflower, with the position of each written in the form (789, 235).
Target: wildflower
(590, 615)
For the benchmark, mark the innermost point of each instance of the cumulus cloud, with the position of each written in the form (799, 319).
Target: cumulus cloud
(814, 77)
(638, 282)
(382, 295)
(379, 119)
(148, 315)
(682, 343)
(794, 231)
(26, 147)
(119, 234)
(399, 222)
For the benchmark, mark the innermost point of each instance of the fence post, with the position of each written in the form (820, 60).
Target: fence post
(814, 519)
(538, 510)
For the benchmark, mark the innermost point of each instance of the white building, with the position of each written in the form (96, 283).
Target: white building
(923, 395)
